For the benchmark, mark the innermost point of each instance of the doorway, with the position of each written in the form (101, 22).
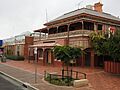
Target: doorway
(87, 59)
(48, 56)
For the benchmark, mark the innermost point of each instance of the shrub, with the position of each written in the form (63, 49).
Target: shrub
(14, 57)
(58, 80)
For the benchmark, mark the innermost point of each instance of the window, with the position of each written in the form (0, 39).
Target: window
(62, 29)
(75, 26)
(99, 27)
(40, 53)
(53, 30)
(88, 25)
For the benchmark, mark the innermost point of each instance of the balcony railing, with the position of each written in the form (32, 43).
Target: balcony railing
(65, 34)
(36, 38)
(71, 34)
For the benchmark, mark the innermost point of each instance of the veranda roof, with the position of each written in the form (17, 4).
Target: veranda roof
(42, 45)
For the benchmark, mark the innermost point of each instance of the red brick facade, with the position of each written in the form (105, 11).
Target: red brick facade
(28, 41)
(73, 29)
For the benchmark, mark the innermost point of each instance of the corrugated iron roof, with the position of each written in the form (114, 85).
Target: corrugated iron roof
(87, 11)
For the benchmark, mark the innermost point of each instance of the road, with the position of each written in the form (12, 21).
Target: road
(8, 85)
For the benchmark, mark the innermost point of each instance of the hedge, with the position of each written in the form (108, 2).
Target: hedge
(14, 57)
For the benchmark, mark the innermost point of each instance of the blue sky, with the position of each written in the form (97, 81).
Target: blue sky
(17, 16)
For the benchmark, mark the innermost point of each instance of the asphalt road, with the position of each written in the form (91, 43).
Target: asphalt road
(7, 85)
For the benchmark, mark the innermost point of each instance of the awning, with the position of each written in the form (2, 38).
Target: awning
(42, 45)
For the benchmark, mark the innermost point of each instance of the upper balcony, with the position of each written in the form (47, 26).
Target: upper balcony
(71, 34)
(80, 28)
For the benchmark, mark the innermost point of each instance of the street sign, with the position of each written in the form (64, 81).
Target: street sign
(35, 50)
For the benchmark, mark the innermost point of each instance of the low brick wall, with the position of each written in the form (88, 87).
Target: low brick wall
(58, 63)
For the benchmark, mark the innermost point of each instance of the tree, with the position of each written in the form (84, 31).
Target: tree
(62, 53)
(98, 40)
(113, 47)
(66, 54)
(104, 45)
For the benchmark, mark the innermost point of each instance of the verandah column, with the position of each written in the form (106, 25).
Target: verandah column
(82, 25)
(52, 56)
(95, 26)
(83, 60)
(92, 59)
(83, 56)
(44, 57)
(68, 34)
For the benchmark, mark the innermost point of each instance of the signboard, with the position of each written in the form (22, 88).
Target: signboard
(35, 50)
(112, 29)
(1, 42)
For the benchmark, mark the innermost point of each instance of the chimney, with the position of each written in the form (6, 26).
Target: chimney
(98, 7)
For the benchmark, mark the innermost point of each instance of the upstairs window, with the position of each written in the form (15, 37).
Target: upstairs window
(88, 25)
(99, 27)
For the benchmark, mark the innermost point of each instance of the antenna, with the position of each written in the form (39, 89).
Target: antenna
(79, 4)
(100, 1)
(46, 15)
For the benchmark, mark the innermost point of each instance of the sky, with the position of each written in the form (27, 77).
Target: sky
(18, 16)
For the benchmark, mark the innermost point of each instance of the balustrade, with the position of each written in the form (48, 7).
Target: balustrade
(65, 34)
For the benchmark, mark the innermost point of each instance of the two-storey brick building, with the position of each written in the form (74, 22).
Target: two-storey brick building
(73, 28)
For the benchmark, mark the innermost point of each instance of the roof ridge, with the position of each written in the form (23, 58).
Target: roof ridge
(87, 11)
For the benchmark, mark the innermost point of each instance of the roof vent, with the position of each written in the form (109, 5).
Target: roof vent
(89, 7)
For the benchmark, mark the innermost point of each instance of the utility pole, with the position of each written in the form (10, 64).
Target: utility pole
(100, 1)
(46, 15)
(79, 4)
(35, 52)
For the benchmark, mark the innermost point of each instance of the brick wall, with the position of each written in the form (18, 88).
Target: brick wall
(28, 41)
(61, 41)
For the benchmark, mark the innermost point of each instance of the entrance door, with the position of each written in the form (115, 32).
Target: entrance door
(48, 57)
(99, 61)
(87, 59)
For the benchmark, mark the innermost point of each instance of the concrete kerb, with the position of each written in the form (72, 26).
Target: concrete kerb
(24, 84)
(80, 83)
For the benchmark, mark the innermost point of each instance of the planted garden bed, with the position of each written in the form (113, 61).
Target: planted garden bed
(64, 80)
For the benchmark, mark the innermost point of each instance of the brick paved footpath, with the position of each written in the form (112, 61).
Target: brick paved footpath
(28, 77)
(98, 79)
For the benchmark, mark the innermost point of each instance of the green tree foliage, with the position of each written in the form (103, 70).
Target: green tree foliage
(104, 45)
(113, 46)
(98, 42)
(67, 53)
